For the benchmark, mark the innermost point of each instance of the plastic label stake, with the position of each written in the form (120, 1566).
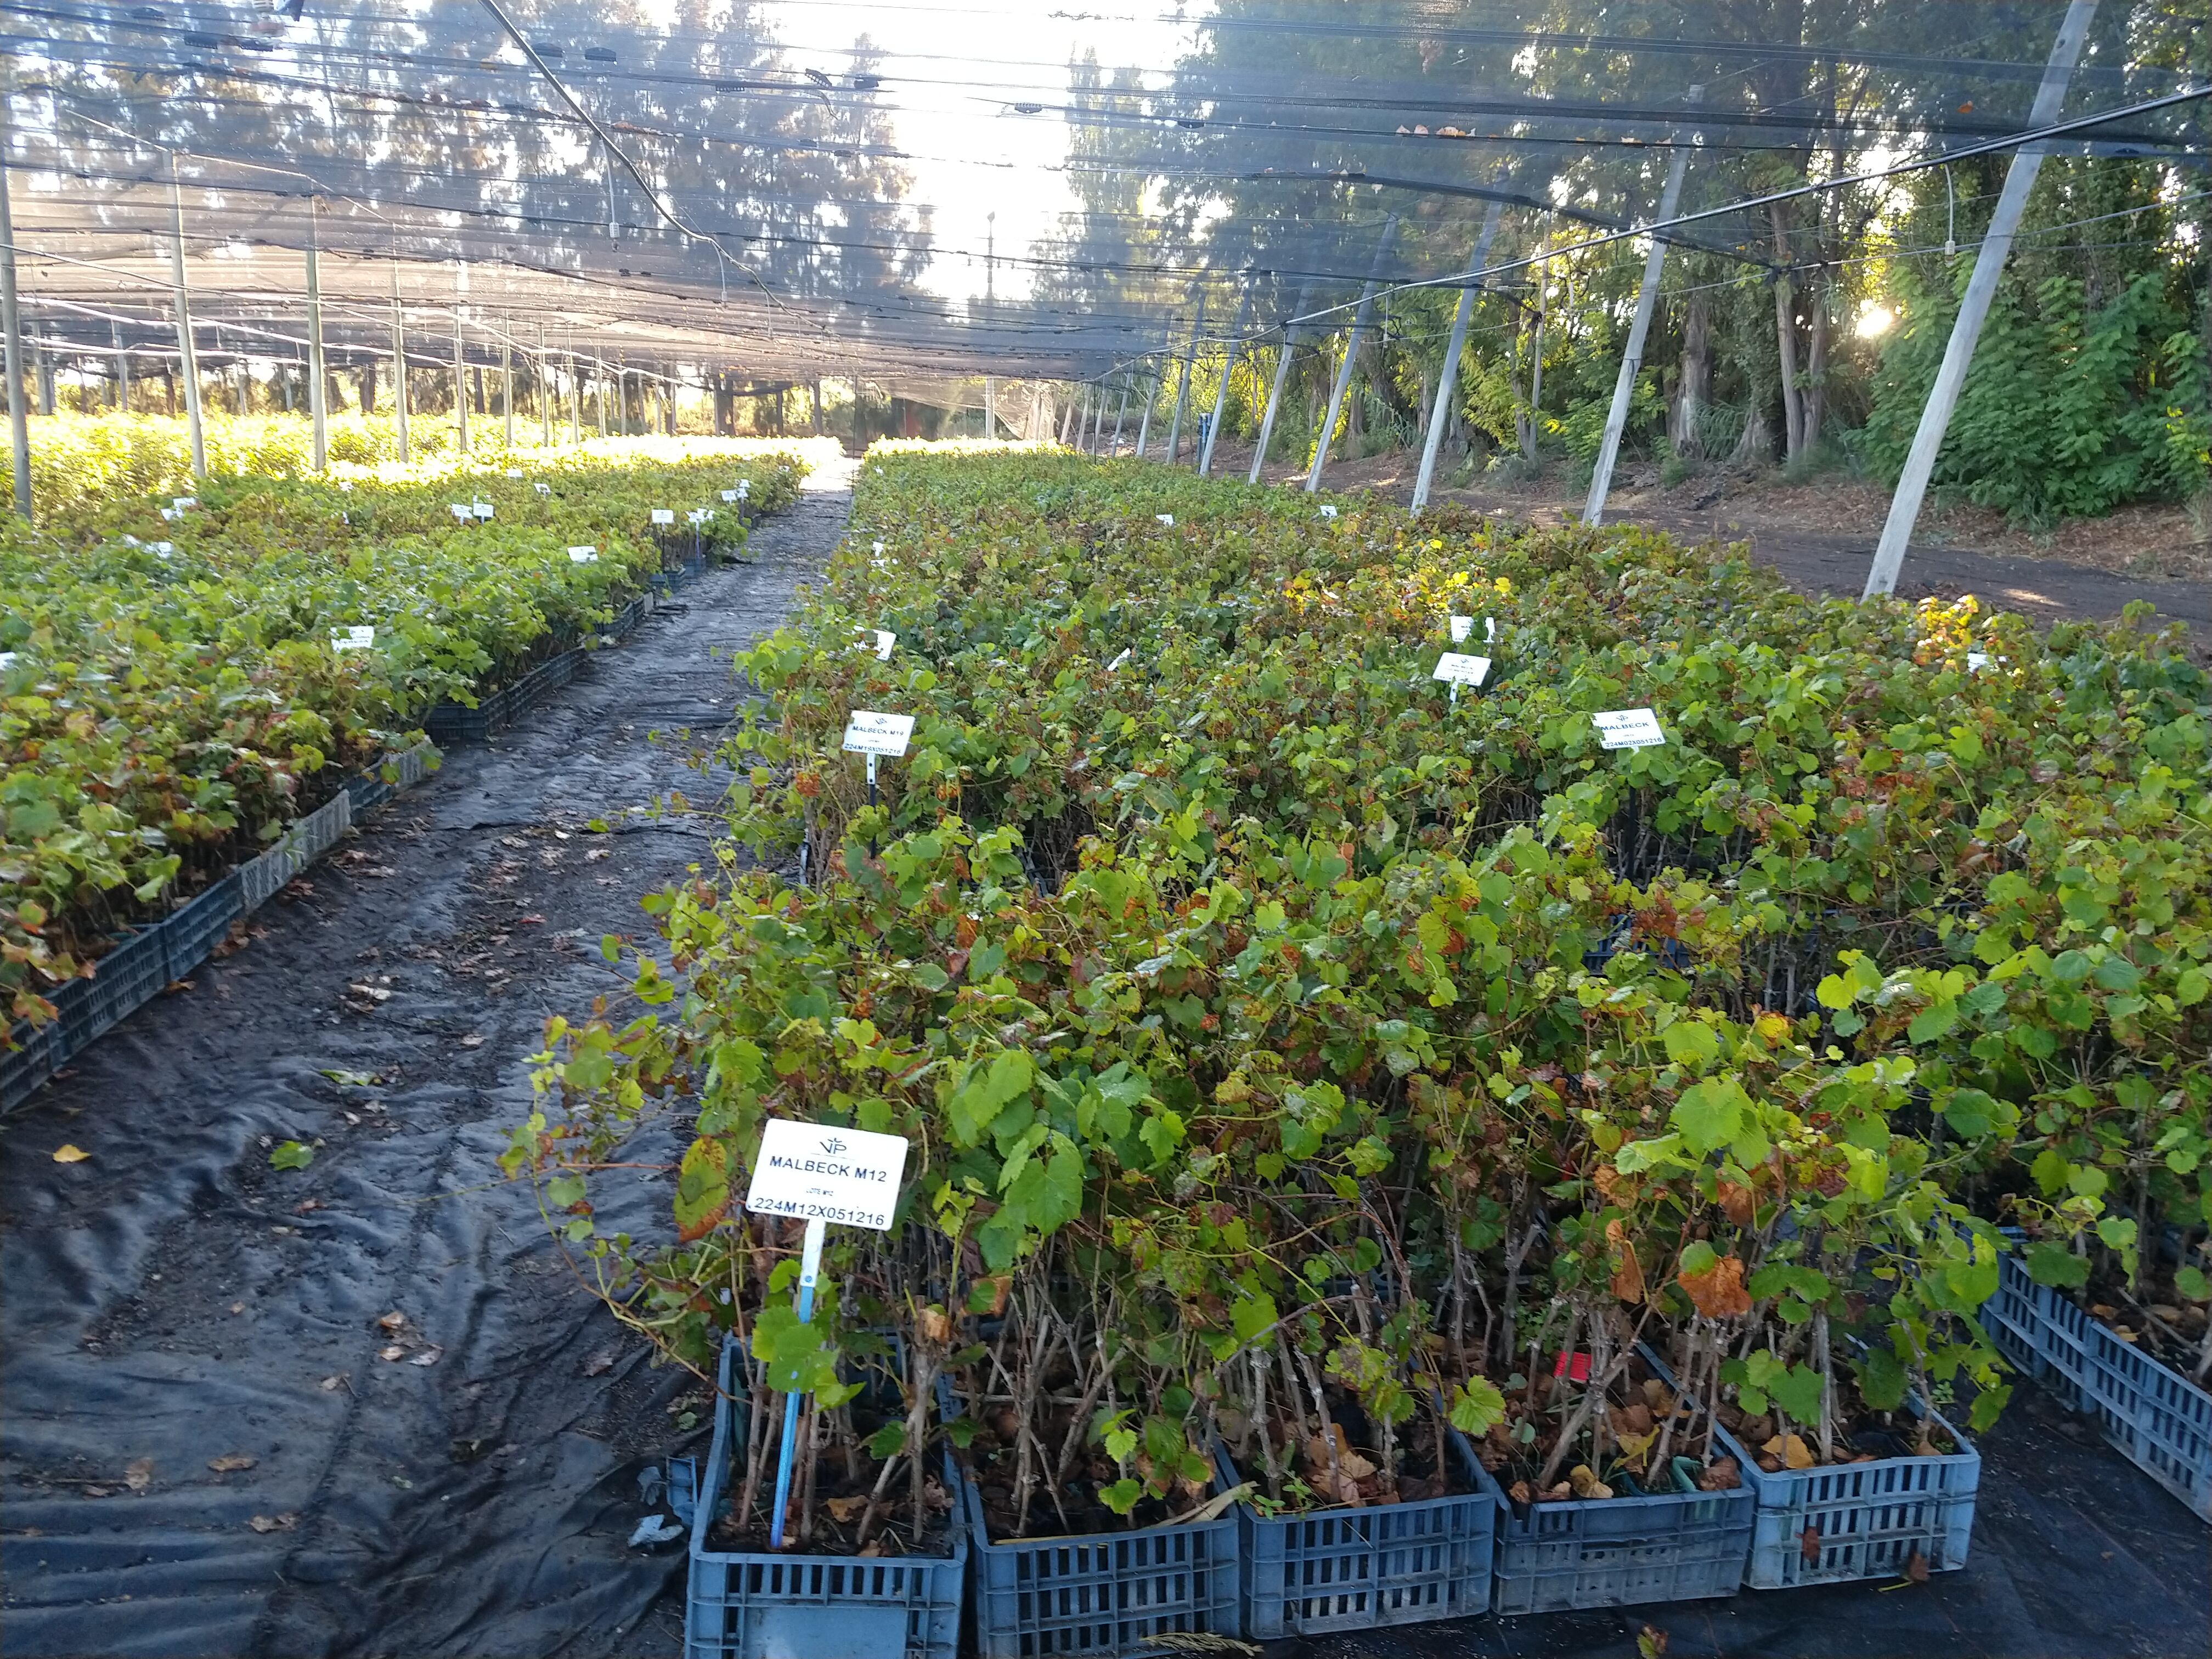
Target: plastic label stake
(823, 1174)
(353, 639)
(583, 556)
(1458, 669)
(1629, 728)
(729, 495)
(1460, 628)
(663, 515)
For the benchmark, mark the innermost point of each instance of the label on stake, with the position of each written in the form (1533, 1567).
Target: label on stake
(867, 732)
(583, 556)
(1461, 670)
(663, 515)
(1629, 728)
(1460, 628)
(823, 1173)
(353, 639)
(885, 642)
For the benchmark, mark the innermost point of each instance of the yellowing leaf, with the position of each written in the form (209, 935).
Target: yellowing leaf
(70, 1154)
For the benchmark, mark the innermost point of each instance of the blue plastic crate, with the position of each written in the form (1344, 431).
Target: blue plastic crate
(1621, 1551)
(1362, 1569)
(764, 1604)
(40, 1052)
(192, 934)
(2154, 1417)
(1871, 1518)
(124, 981)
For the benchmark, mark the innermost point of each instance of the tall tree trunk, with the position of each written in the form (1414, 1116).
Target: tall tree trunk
(1532, 428)
(368, 388)
(334, 395)
(1815, 401)
(1785, 339)
(1696, 389)
(1756, 446)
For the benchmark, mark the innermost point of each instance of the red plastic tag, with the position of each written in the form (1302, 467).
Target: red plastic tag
(1574, 1367)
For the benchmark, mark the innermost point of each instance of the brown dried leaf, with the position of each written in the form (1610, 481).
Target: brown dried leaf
(598, 1363)
(393, 1321)
(1721, 1474)
(1718, 1292)
(1916, 1567)
(231, 1462)
(393, 1352)
(842, 1510)
(1738, 1203)
(139, 1476)
(274, 1523)
(1808, 1546)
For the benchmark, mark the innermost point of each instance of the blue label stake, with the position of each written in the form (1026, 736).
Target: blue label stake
(809, 1269)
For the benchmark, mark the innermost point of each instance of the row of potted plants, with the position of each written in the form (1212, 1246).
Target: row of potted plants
(179, 679)
(1336, 1104)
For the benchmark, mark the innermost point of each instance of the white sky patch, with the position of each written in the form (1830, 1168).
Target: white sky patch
(952, 77)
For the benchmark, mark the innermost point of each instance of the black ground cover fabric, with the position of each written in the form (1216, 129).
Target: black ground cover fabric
(170, 1302)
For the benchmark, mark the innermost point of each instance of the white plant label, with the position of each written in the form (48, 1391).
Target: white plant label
(484, 509)
(1326, 511)
(515, 473)
(583, 556)
(163, 549)
(729, 495)
(822, 1173)
(744, 488)
(1460, 628)
(694, 515)
(168, 514)
(1629, 728)
(543, 489)
(1128, 651)
(1461, 670)
(867, 732)
(353, 639)
(6, 660)
(459, 510)
(1167, 519)
(885, 642)
(878, 545)
(342, 484)
(1490, 630)
(180, 502)
(663, 515)
(1976, 661)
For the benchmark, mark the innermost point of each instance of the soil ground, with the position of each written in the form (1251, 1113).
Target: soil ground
(172, 1300)
(1820, 536)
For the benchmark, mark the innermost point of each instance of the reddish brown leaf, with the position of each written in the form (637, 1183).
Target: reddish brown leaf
(1808, 1546)
(1718, 1292)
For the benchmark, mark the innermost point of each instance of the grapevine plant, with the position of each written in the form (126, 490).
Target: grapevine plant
(1316, 1087)
(179, 683)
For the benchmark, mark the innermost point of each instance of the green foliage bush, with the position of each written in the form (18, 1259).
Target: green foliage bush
(1274, 1035)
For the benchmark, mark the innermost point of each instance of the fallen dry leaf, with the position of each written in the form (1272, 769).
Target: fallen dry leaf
(332, 1383)
(69, 1154)
(473, 1039)
(231, 1462)
(274, 1523)
(1808, 1546)
(395, 1351)
(427, 1356)
(139, 1476)
(238, 1307)
(1916, 1567)
(597, 1363)
(393, 1321)
(1791, 1449)
(842, 1510)
(95, 1492)
(1650, 1643)
(533, 921)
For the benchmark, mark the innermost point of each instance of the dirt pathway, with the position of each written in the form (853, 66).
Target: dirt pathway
(174, 1299)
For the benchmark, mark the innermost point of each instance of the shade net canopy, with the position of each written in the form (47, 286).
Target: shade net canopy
(734, 187)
